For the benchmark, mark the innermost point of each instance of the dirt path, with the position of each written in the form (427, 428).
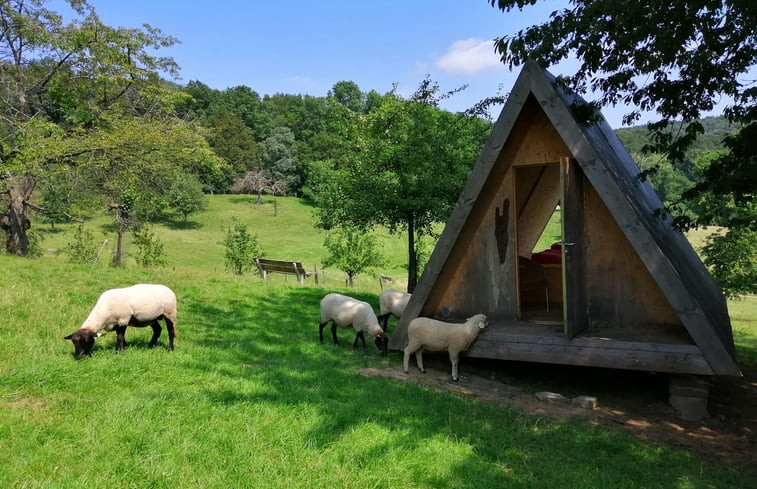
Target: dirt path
(631, 401)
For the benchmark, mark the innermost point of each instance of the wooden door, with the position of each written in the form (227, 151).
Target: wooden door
(573, 256)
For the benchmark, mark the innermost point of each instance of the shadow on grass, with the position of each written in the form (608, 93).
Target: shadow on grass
(272, 338)
(137, 338)
(48, 231)
(180, 225)
(243, 199)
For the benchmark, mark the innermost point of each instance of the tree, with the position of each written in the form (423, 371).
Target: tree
(232, 141)
(348, 94)
(198, 104)
(58, 80)
(732, 257)
(56, 202)
(131, 164)
(185, 195)
(279, 157)
(409, 166)
(678, 59)
(246, 104)
(258, 182)
(352, 250)
(667, 182)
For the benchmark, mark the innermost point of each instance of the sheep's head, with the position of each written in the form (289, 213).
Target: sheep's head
(83, 341)
(382, 343)
(479, 320)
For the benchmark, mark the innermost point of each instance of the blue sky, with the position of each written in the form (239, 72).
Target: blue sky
(305, 47)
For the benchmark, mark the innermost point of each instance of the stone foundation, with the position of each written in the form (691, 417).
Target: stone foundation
(689, 395)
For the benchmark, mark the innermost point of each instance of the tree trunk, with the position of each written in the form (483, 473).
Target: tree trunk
(412, 258)
(15, 223)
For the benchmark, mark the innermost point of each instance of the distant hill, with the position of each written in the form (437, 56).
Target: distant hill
(634, 138)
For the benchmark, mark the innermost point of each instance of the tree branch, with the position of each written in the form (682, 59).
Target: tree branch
(42, 210)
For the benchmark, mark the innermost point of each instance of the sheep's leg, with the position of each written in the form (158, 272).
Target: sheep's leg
(320, 330)
(333, 332)
(120, 338)
(360, 336)
(383, 320)
(156, 329)
(419, 360)
(171, 328)
(406, 359)
(453, 358)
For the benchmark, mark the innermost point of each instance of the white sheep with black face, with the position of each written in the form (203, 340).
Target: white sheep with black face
(432, 335)
(115, 309)
(345, 312)
(392, 302)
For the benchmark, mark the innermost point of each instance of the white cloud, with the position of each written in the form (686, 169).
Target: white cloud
(468, 57)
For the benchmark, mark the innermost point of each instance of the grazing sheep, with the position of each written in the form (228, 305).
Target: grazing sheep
(391, 302)
(344, 311)
(115, 309)
(432, 335)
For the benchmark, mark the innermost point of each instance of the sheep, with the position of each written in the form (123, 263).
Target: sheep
(391, 301)
(139, 305)
(432, 335)
(344, 311)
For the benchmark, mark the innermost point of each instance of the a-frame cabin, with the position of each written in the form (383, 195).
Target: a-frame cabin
(622, 289)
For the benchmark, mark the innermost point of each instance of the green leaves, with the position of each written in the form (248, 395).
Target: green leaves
(241, 249)
(408, 166)
(352, 250)
(732, 258)
(678, 59)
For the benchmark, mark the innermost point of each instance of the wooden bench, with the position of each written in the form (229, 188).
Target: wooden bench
(266, 266)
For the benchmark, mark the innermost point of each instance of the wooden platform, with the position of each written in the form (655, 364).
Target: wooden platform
(660, 350)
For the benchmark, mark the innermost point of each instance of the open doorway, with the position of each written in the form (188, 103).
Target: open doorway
(538, 224)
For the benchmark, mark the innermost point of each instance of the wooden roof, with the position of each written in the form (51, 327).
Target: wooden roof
(666, 253)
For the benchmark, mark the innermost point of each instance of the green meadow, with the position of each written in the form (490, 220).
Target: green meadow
(251, 399)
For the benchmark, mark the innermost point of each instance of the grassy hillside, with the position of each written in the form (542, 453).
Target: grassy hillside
(283, 227)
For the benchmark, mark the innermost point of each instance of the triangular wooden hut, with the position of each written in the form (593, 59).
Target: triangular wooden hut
(622, 289)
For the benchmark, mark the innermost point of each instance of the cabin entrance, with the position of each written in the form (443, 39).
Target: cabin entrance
(538, 231)
(548, 228)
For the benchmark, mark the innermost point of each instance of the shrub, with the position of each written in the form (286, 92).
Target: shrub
(35, 244)
(82, 248)
(150, 250)
(241, 249)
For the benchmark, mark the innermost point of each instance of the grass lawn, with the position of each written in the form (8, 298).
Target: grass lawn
(250, 399)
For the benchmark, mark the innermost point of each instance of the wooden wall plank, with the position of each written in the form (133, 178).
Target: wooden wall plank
(674, 362)
(620, 289)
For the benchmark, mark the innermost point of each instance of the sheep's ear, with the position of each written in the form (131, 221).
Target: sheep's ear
(68, 337)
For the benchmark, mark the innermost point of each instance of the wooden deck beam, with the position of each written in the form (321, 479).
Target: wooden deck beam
(533, 343)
